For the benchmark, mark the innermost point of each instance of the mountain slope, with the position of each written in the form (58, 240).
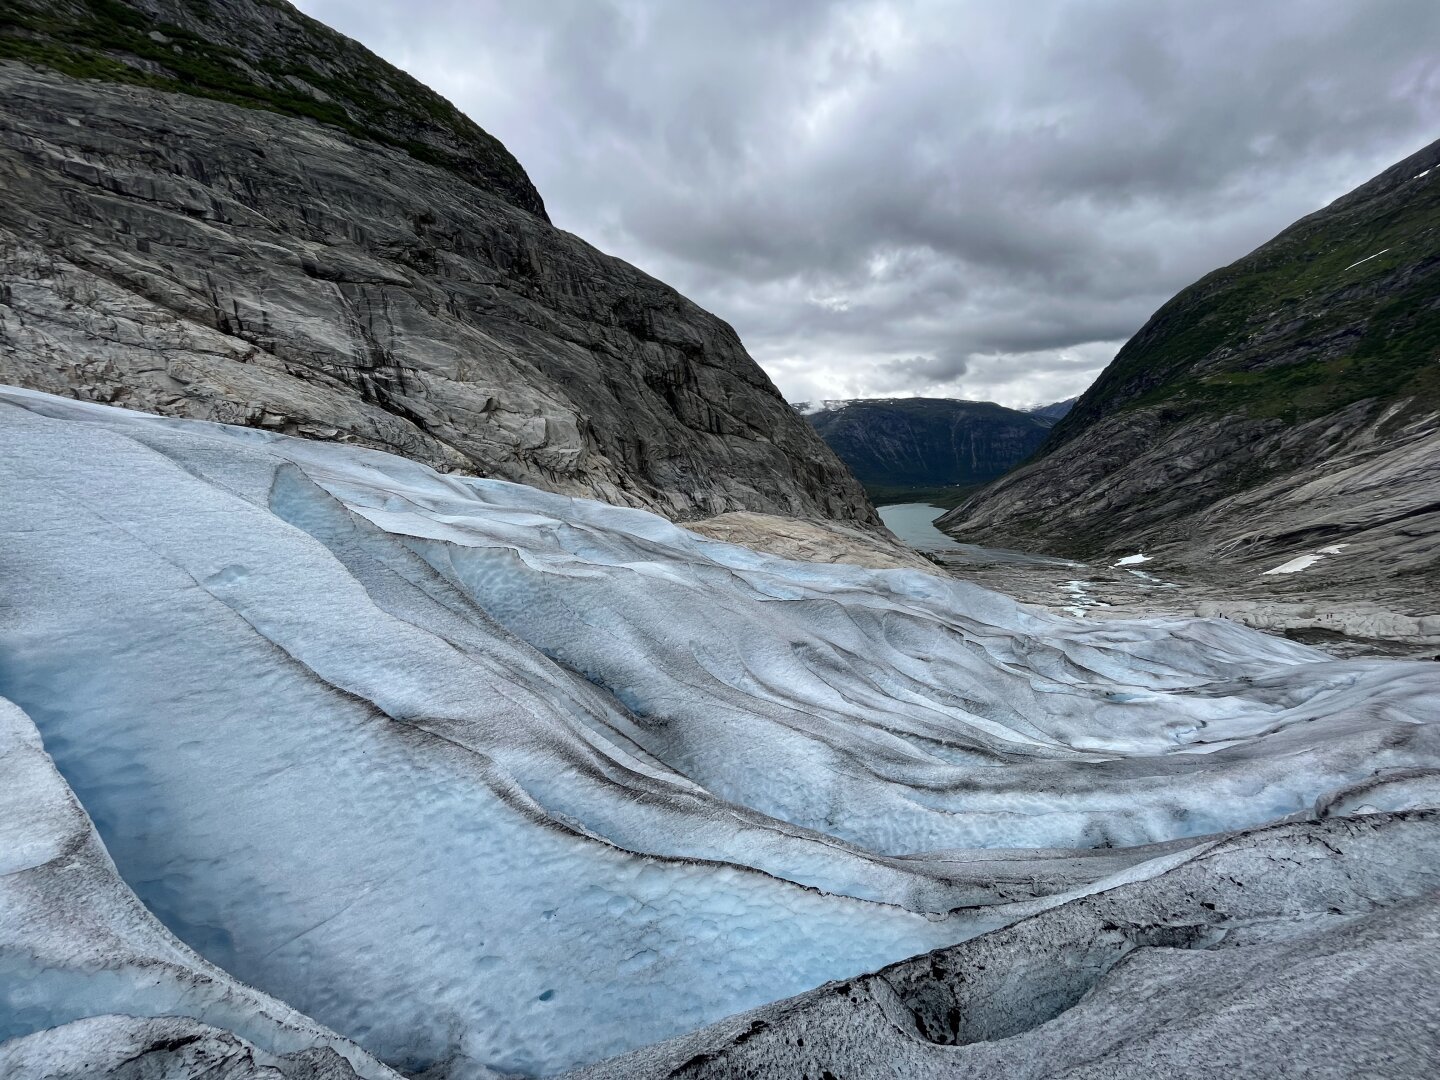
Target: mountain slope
(262, 54)
(897, 445)
(1285, 403)
(205, 244)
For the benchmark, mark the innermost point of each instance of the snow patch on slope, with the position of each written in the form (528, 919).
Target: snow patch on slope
(1304, 562)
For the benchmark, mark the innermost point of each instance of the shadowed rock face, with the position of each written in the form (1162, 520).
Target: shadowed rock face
(899, 443)
(193, 257)
(1284, 404)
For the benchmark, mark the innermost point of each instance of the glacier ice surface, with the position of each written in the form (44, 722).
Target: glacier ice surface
(77, 945)
(474, 774)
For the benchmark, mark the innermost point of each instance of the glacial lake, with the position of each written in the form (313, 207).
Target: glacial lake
(914, 523)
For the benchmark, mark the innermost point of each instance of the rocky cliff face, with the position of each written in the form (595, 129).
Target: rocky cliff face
(1286, 407)
(262, 54)
(227, 211)
(898, 444)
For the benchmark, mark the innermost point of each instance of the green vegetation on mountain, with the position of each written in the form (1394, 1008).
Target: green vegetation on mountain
(289, 64)
(1342, 307)
(1287, 404)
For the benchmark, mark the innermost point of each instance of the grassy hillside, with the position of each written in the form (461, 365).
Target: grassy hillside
(1341, 307)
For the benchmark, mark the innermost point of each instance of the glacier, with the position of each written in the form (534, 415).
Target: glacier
(419, 770)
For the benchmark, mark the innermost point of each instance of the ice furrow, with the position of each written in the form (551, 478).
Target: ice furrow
(478, 775)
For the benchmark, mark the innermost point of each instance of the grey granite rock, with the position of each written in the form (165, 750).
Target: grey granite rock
(194, 258)
(813, 541)
(1362, 478)
(263, 54)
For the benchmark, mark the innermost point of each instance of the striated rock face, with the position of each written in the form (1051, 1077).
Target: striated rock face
(262, 54)
(1282, 406)
(207, 255)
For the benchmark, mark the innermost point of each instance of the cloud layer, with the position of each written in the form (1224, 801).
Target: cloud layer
(889, 197)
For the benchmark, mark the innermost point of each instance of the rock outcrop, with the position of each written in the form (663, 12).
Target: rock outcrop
(1284, 407)
(227, 211)
(813, 541)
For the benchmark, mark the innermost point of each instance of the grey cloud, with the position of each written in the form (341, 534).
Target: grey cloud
(928, 369)
(958, 196)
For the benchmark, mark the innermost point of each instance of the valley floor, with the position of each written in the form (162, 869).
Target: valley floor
(1328, 616)
(1313, 598)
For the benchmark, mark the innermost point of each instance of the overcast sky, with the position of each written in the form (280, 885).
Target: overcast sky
(893, 197)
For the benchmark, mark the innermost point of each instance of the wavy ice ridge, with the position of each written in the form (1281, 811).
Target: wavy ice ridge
(469, 772)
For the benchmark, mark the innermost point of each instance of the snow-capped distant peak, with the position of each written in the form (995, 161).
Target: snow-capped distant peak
(810, 408)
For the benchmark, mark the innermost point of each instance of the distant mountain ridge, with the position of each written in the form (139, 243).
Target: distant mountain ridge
(926, 448)
(1056, 410)
(1283, 406)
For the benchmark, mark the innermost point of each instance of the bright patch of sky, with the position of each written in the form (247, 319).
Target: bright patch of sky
(892, 197)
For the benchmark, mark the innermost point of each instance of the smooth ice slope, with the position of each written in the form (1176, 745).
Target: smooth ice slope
(473, 773)
(75, 944)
